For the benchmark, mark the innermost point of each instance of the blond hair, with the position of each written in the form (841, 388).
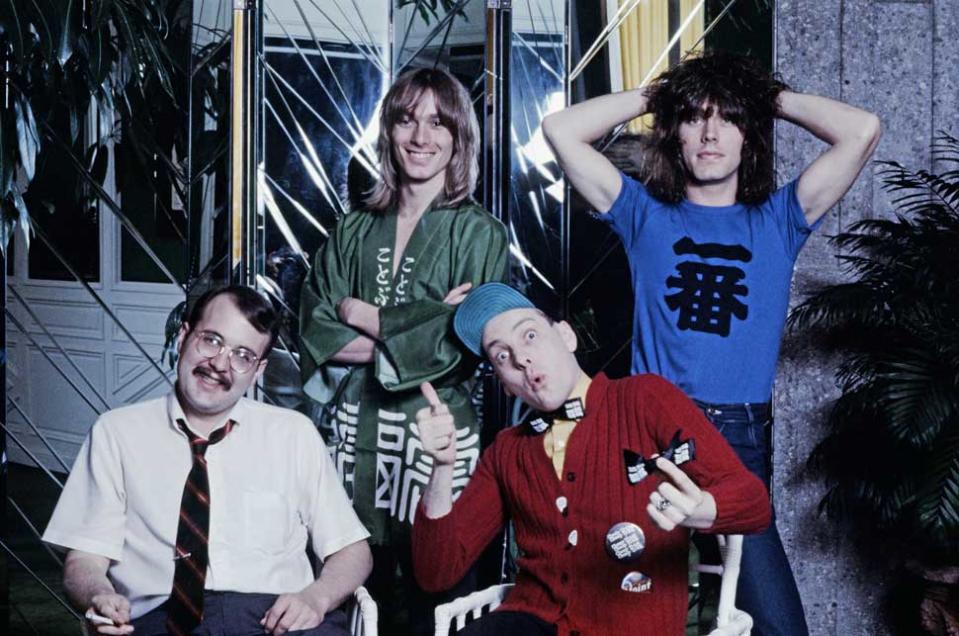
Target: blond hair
(455, 112)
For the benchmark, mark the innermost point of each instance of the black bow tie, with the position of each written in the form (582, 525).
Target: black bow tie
(678, 452)
(571, 410)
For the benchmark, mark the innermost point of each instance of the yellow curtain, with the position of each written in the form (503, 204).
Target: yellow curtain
(643, 37)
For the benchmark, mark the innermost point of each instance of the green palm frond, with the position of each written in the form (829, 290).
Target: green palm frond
(916, 399)
(938, 501)
(891, 457)
(838, 306)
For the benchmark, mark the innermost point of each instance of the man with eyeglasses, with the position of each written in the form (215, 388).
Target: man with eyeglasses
(191, 513)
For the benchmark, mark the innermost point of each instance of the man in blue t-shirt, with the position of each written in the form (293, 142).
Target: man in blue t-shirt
(711, 245)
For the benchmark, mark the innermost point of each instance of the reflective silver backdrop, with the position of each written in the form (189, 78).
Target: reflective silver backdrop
(323, 66)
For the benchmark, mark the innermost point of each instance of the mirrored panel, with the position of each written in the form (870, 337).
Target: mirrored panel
(537, 81)
(324, 66)
(207, 186)
(439, 32)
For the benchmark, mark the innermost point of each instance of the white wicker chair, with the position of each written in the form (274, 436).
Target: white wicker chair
(730, 621)
(472, 605)
(363, 613)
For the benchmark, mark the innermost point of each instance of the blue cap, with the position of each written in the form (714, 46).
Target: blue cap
(482, 305)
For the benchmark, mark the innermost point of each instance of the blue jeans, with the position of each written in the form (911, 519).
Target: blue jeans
(507, 623)
(767, 590)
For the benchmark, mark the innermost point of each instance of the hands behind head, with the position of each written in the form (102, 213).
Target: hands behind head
(678, 501)
(114, 607)
(437, 428)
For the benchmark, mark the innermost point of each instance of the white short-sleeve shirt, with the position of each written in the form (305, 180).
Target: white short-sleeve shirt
(272, 486)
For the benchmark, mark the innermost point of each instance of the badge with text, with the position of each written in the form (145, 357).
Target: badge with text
(625, 541)
(639, 468)
(636, 582)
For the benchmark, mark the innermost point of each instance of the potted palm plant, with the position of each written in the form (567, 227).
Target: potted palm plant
(891, 455)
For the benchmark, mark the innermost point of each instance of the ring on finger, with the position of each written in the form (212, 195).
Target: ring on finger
(662, 504)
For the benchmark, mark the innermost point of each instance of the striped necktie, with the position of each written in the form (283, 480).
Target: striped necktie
(185, 607)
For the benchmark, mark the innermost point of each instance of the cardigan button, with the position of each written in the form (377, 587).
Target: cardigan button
(573, 538)
(570, 476)
(561, 505)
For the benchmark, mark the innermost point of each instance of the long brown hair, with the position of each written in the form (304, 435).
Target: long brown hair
(455, 112)
(742, 91)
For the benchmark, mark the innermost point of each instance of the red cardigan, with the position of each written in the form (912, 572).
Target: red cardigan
(577, 587)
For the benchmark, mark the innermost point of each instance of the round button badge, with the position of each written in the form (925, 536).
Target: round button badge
(625, 541)
(636, 582)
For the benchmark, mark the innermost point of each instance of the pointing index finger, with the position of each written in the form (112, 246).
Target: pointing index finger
(430, 394)
(676, 475)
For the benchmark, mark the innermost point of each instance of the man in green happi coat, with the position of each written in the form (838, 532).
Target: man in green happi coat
(376, 319)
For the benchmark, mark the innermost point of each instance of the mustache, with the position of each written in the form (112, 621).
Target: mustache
(213, 375)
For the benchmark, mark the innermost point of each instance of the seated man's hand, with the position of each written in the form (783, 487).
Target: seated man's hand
(678, 501)
(292, 612)
(113, 606)
(436, 427)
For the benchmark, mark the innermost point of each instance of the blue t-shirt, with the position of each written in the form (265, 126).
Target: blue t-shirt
(712, 288)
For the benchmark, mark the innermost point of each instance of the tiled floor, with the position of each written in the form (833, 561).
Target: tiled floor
(32, 609)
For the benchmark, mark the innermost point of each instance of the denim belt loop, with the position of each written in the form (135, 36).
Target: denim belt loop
(751, 411)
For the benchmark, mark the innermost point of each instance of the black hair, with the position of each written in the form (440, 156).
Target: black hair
(257, 310)
(742, 91)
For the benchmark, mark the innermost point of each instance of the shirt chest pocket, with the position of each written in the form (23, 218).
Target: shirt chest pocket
(267, 519)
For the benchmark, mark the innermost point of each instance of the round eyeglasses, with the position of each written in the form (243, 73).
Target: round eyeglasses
(210, 345)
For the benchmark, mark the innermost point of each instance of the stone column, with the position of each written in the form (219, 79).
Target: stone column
(899, 59)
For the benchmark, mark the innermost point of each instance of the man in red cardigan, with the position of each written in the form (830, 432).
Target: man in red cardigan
(602, 528)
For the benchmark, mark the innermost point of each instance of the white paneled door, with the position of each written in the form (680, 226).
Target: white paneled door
(68, 359)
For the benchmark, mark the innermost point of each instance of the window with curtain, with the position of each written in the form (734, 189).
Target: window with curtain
(645, 34)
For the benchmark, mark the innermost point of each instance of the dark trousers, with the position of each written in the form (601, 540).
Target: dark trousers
(767, 590)
(508, 624)
(404, 609)
(237, 614)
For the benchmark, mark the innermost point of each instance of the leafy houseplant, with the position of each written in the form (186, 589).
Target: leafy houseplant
(59, 58)
(891, 457)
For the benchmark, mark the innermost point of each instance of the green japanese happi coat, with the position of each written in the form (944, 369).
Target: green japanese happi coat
(377, 450)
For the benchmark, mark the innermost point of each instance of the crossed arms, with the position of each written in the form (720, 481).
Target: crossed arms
(365, 318)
